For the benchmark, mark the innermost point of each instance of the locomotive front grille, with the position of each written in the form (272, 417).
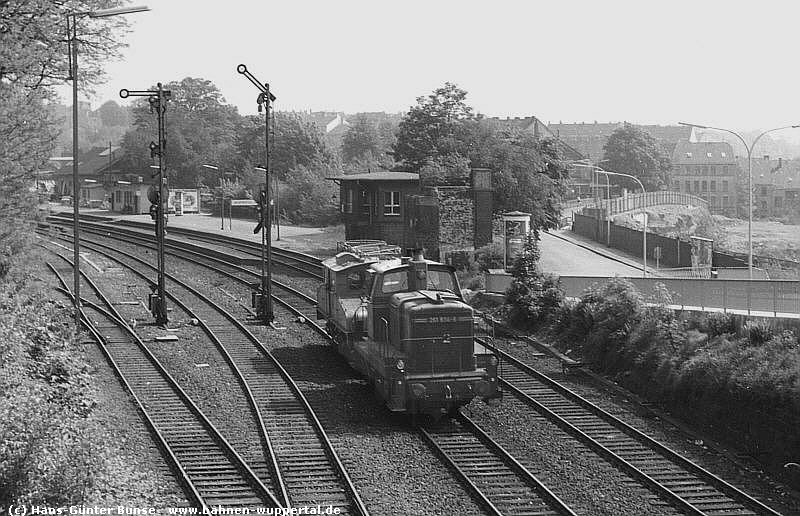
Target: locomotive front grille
(443, 355)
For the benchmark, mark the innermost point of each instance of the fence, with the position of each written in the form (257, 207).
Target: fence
(674, 251)
(774, 296)
(777, 297)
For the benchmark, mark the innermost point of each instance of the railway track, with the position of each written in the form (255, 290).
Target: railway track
(292, 260)
(212, 472)
(308, 469)
(497, 480)
(676, 479)
(680, 482)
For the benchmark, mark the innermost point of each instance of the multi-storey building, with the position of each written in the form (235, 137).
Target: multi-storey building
(708, 170)
(776, 186)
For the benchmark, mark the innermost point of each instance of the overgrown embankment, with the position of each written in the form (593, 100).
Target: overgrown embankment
(60, 442)
(740, 379)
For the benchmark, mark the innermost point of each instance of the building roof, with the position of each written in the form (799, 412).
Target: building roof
(589, 138)
(533, 125)
(703, 153)
(378, 176)
(93, 162)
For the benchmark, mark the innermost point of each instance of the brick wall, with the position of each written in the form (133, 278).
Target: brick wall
(456, 219)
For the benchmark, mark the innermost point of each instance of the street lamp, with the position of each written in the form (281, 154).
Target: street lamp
(644, 212)
(749, 181)
(221, 197)
(72, 53)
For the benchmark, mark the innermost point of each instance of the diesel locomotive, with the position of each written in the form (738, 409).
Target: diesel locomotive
(402, 323)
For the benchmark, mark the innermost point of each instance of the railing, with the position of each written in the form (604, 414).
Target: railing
(643, 200)
(769, 297)
(773, 297)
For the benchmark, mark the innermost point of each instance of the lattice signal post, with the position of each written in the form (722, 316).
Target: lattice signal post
(262, 300)
(158, 196)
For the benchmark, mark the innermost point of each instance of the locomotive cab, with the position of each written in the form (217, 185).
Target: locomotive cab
(403, 323)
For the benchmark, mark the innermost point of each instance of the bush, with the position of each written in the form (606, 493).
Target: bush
(533, 298)
(758, 332)
(490, 256)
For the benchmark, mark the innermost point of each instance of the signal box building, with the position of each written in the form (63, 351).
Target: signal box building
(396, 208)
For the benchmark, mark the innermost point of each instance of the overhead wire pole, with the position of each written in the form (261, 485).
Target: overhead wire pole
(264, 307)
(72, 52)
(158, 102)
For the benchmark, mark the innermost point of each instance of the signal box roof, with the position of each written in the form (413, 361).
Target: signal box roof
(377, 176)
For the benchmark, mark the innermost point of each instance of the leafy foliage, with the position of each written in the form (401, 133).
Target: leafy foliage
(633, 151)
(430, 129)
(534, 297)
(200, 130)
(361, 140)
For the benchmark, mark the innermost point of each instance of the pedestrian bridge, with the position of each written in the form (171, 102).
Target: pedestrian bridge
(632, 202)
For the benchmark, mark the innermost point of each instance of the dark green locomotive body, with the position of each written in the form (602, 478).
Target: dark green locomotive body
(402, 323)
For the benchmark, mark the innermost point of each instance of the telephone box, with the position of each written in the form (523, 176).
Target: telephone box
(516, 226)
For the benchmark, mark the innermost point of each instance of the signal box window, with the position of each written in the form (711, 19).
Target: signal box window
(365, 204)
(348, 203)
(391, 203)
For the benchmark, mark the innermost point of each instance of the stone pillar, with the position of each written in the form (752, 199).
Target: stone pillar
(482, 201)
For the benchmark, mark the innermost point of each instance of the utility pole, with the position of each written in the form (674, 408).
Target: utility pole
(263, 299)
(159, 195)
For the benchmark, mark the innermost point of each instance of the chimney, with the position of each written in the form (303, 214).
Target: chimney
(417, 271)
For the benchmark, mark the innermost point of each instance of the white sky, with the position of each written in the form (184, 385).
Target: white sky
(730, 63)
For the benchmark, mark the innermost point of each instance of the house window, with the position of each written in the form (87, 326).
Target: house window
(391, 203)
(713, 186)
(708, 154)
(778, 202)
(764, 205)
(697, 186)
(763, 190)
(118, 196)
(723, 154)
(724, 201)
(705, 186)
(712, 170)
(724, 186)
(688, 154)
(688, 186)
(724, 170)
(712, 202)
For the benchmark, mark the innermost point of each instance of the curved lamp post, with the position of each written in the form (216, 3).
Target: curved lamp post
(72, 51)
(644, 212)
(749, 149)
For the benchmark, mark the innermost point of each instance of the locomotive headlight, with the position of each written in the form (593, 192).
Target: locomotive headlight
(400, 365)
(493, 360)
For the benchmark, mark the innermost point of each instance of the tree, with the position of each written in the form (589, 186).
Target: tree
(430, 129)
(201, 129)
(361, 141)
(33, 52)
(293, 143)
(631, 150)
(529, 175)
(533, 297)
(33, 58)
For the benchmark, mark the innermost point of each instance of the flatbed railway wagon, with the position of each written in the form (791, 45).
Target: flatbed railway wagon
(402, 323)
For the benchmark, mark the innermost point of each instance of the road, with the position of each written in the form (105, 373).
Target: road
(564, 258)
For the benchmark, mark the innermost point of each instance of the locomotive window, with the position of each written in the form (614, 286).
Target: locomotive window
(355, 280)
(394, 282)
(441, 280)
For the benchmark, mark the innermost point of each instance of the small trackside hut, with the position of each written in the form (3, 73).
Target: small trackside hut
(402, 323)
